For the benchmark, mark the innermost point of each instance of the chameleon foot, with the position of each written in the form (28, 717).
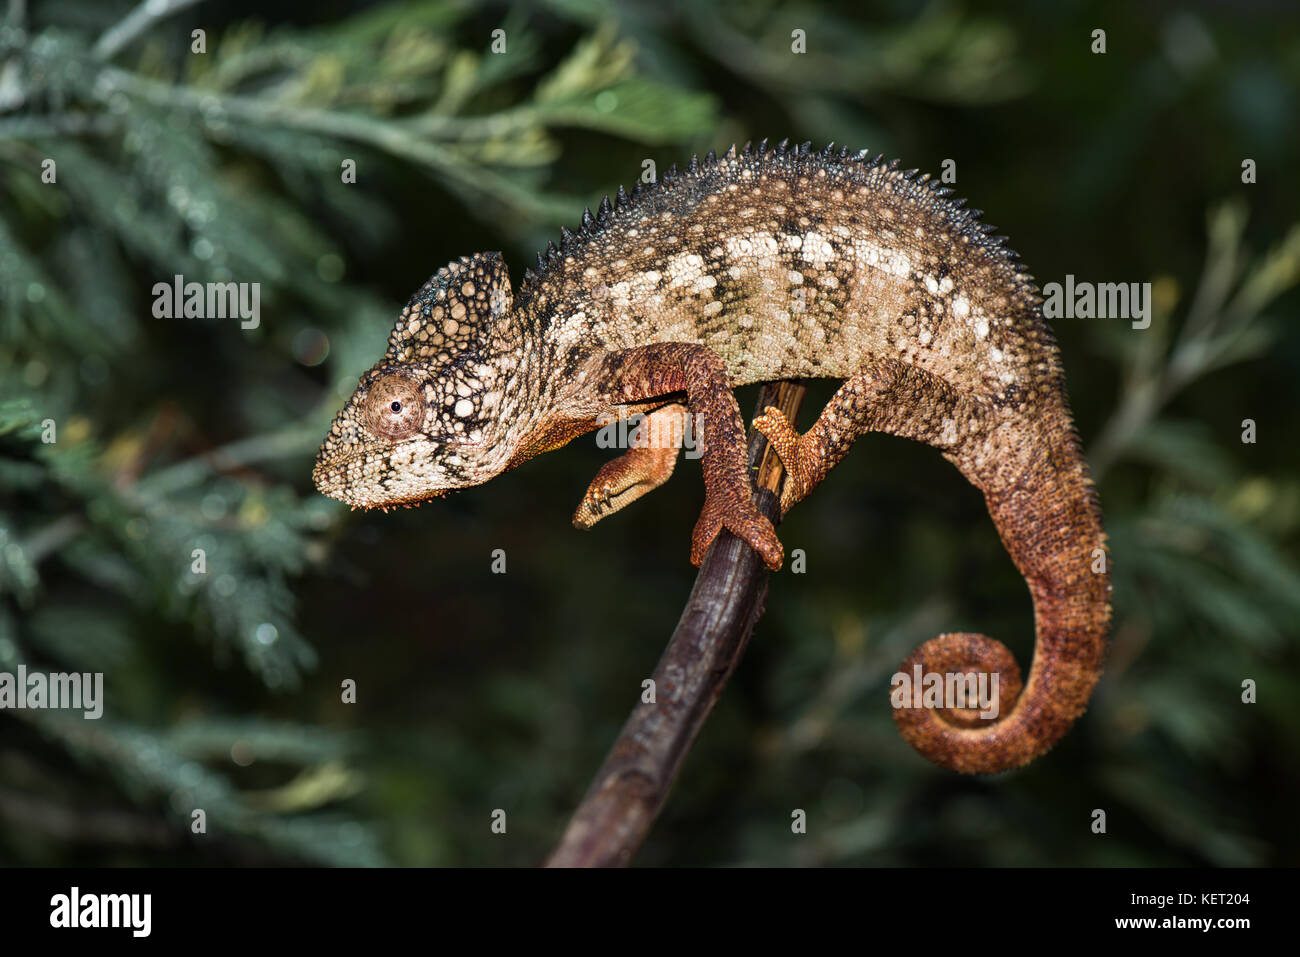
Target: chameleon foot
(790, 448)
(642, 468)
(740, 517)
(622, 481)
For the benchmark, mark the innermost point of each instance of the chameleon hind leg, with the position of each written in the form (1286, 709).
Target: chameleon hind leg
(644, 467)
(890, 396)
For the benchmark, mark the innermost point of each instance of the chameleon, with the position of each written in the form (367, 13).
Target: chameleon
(763, 264)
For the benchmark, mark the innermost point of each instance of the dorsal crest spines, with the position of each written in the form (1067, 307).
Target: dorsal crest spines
(856, 166)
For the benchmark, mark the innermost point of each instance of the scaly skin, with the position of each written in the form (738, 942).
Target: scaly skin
(757, 266)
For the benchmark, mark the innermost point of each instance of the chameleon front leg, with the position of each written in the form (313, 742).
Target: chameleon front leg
(890, 396)
(644, 467)
(646, 372)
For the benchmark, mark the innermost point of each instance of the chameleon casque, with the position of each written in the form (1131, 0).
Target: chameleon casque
(759, 265)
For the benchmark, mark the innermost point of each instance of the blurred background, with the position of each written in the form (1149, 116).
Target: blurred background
(478, 691)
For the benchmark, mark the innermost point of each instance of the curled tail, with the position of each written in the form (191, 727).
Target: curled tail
(1047, 514)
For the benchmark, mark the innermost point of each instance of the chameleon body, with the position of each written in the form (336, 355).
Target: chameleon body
(766, 264)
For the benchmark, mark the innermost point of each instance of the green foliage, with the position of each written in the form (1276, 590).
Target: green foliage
(157, 521)
(133, 529)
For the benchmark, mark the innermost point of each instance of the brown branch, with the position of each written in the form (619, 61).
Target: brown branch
(728, 599)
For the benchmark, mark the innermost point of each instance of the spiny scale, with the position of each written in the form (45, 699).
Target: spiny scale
(627, 204)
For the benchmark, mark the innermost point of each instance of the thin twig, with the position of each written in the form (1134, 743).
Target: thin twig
(66, 124)
(1225, 310)
(395, 137)
(728, 599)
(135, 23)
(294, 440)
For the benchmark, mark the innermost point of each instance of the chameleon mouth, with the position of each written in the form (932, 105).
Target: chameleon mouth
(343, 475)
(331, 479)
(340, 475)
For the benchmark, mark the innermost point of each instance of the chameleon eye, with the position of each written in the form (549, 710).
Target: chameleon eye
(394, 407)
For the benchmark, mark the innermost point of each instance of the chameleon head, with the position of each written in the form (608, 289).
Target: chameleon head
(427, 419)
